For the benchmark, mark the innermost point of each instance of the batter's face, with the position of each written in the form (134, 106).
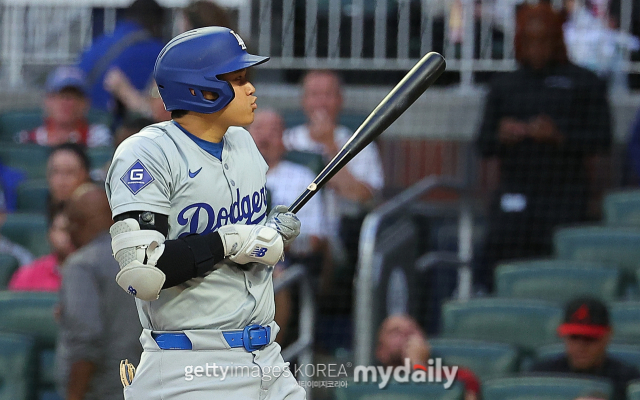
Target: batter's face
(240, 111)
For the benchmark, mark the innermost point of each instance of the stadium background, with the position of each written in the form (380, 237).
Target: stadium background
(436, 188)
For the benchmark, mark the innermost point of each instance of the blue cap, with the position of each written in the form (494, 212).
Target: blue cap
(63, 77)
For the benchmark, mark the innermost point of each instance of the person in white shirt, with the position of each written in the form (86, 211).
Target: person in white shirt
(350, 193)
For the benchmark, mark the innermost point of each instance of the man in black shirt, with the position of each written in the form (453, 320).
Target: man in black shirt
(541, 123)
(586, 332)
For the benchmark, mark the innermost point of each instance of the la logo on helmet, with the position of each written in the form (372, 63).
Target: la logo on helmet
(239, 39)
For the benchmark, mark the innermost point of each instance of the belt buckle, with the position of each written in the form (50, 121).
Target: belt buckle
(253, 333)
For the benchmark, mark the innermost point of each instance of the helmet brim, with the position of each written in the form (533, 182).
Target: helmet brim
(241, 62)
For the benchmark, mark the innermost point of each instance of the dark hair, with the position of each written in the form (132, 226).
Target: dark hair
(178, 113)
(147, 13)
(78, 150)
(53, 210)
(206, 13)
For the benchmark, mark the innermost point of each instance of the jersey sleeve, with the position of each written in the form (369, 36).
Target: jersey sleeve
(139, 178)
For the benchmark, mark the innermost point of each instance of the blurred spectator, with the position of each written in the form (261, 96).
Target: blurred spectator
(400, 337)
(132, 47)
(593, 396)
(68, 167)
(44, 273)
(147, 102)
(633, 149)
(10, 179)
(201, 13)
(65, 113)
(593, 43)
(350, 193)
(285, 182)
(586, 332)
(541, 124)
(98, 322)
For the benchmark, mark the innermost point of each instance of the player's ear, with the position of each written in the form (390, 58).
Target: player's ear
(210, 95)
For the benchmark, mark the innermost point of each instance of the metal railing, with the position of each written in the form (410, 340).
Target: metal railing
(474, 35)
(302, 348)
(370, 258)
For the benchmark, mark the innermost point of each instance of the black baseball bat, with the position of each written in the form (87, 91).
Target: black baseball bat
(417, 80)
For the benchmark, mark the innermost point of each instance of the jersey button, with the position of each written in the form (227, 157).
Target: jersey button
(233, 183)
(226, 166)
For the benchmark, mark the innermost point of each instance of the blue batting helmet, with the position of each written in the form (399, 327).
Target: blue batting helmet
(191, 63)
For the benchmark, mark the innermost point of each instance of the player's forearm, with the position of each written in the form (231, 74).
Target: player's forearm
(79, 378)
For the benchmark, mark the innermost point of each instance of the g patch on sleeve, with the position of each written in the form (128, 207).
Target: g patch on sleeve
(137, 177)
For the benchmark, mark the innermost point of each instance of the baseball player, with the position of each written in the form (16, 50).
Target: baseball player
(192, 236)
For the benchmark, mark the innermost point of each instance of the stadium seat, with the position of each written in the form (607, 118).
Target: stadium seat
(542, 388)
(627, 353)
(633, 390)
(486, 359)
(416, 391)
(99, 156)
(32, 196)
(310, 160)
(29, 313)
(30, 158)
(526, 324)
(16, 367)
(622, 208)
(8, 265)
(12, 122)
(556, 280)
(28, 230)
(617, 246)
(625, 319)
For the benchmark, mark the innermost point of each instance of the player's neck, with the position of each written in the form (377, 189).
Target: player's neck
(204, 126)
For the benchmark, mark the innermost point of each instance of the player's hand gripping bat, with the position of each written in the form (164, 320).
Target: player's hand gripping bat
(417, 80)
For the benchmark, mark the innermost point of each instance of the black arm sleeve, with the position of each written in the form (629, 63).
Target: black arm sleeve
(184, 258)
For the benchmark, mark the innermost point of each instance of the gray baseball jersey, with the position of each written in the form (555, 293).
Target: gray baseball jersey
(160, 169)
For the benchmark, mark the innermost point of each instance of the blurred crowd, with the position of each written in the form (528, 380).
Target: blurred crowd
(544, 127)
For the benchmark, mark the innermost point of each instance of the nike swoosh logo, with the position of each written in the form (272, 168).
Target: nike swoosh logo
(193, 174)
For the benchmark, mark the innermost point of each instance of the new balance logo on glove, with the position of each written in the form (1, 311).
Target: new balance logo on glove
(259, 252)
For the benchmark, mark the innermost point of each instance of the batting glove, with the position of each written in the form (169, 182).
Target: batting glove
(285, 222)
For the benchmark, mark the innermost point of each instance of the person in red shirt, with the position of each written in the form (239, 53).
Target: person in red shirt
(43, 275)
(401, 337)
(65, 113)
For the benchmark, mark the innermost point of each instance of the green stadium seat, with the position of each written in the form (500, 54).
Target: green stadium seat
(29, 313)
(526, 324)
(313, 161)
(622, 208)
(542, 388)
(28, 230)
(486, 359)
(30, 158)
(556, 280)
(633, 390)
(99, 156)
(627, 353)
(616, 246)
(32, 196)
(8, 265)
(16, 367)
(415, 391)
(625, 319)
(12, 122)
